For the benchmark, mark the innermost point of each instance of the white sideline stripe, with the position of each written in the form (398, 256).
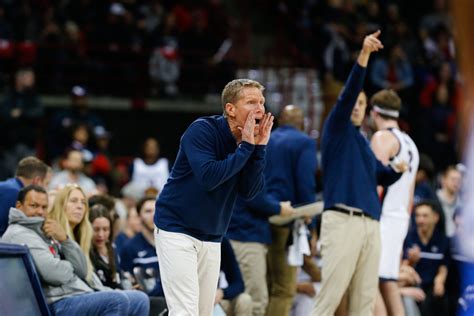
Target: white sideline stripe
(429, 255)
(146, 260)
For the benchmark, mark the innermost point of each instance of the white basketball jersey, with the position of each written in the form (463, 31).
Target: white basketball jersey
(154, 175)
(397, 196)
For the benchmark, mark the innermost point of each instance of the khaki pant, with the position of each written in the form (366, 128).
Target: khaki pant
(252, 259)
(281, 276)
(239, 306)
(350, 249)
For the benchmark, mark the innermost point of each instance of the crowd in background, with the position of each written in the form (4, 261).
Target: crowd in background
(115, 235)
(137, 49)
(115, 47)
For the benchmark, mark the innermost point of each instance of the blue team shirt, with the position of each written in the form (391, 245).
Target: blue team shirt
(8, 195)
(138, 252)
(209, 172)
(432, 255)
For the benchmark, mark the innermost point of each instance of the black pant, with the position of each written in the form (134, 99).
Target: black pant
(433, 305)
(158, 306)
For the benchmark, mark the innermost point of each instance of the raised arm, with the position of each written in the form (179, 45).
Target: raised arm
(345, 103)
(371, 44)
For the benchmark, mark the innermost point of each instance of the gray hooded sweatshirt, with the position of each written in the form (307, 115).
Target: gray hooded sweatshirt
(59, 278)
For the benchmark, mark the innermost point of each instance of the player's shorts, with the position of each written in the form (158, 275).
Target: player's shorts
(393, 230)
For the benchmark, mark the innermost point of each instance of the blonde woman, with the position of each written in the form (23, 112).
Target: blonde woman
(71, 211)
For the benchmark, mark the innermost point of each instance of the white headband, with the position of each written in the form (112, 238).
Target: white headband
(390, 113)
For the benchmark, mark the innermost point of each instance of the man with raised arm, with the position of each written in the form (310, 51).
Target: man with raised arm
(350, 236)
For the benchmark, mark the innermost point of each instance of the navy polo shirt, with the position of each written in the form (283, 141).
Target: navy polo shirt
(210, 171)
(138, 252)
(432, 255)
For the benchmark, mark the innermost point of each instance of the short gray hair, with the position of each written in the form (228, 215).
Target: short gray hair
(231, 91)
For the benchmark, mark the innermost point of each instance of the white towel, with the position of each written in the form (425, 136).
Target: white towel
(300, 246)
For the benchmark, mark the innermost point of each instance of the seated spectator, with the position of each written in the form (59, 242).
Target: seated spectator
(109, 202)
(133, 226)
(79, 140)
(61, 264)
(423, 181)
(444, 78)
(147, 171)
(102, 169)
(138, 255)
(71, 211)
(457, 283)
(448, 196)
(105, 200)
(427, 250)
(336, 55)
(394, 72)
(30, 170)
(73, 173)
(439, 128)
(62, 122)
(424, 186)
(20, 115)
(230, 293)
(103, 256)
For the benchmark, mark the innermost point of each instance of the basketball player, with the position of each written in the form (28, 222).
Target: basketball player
(391, 145)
